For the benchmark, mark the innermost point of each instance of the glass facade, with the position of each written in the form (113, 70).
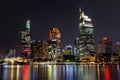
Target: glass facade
(26, 40)
(55, 35)
(86, 34)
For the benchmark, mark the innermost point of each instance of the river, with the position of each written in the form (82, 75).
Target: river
(59, 72)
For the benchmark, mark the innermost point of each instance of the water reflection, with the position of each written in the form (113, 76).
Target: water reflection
(25, 72)
(60, 72)
(118, 69)
(107, 73)
(5, 72)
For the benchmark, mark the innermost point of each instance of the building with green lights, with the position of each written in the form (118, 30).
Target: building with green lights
(26, 41)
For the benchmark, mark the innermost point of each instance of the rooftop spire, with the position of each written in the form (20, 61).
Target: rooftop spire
(81, 12)
(27, 25)
(80, 9)
(80, 6)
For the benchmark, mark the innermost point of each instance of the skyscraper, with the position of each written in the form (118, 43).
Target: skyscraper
(101, 47)
(26, 40)
(55, 36)
(117, 48)
(86, 35)
(105, 45)
(39, 50)
(76, 46)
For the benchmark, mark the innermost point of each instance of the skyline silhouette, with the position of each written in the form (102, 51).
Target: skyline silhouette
(63, 14)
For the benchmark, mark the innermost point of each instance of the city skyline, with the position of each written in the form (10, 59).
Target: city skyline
(62, 14)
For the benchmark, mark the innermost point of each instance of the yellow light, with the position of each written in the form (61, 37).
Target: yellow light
(50, 72)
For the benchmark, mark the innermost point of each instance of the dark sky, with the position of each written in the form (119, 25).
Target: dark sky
(44, 14)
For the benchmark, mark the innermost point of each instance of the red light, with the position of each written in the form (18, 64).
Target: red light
(105, 39)
(26, 50)
(25, 72)
(107, 73)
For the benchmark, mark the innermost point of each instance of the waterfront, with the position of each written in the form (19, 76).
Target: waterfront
(59, 72)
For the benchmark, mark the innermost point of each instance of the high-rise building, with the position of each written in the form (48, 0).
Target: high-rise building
(105, 45)
(86, 35)
(39, 50)
(76, 46)
(26, 40)
(101, 47)
(10, 53)
(68, 50)
(117, 48)
(55, 36)
(52, 48)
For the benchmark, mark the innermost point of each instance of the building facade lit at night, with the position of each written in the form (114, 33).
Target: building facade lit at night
(55, 36)
(39, 49)
(26, 40)
(76, 45)
(86, 35)
(51, 48)
(105, 45)
(117, 48)
(68, 50)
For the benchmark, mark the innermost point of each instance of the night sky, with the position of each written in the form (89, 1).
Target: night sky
(64, 14)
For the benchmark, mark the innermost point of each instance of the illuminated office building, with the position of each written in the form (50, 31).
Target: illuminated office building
(101, 47)
(86, 35)
(10, 53)
(39, 49)
(43, 49)
(52, 48)
(117, 48)
(105, 45)
(68, 50)
(26, 40)
(55, 36)
(76, 46)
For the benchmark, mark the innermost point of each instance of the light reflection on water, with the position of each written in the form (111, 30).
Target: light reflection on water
(59, 72)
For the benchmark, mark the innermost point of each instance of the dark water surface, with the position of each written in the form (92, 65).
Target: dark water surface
(59, 72)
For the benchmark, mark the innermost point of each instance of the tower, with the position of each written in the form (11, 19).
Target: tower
(55, 36)
(39, 49)
(86, 35)
(26, 40)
